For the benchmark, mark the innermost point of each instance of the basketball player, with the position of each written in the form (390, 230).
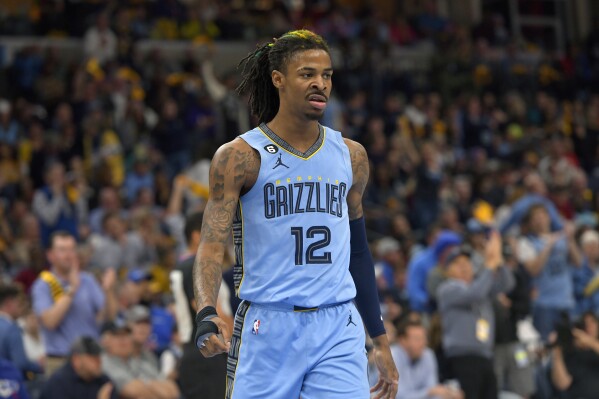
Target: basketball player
(291, 191)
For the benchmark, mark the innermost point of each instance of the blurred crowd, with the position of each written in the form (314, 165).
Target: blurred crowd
(482, 207)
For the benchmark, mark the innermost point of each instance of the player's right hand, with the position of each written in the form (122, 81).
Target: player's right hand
(218, 343)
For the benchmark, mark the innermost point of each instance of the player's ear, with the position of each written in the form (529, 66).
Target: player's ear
(277, 78)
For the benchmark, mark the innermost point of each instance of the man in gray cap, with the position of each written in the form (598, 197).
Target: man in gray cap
(466, 308)
(138, 320)
(133, 368)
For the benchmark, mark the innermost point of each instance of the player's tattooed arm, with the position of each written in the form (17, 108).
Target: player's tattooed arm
(233, 170)
(360, 170)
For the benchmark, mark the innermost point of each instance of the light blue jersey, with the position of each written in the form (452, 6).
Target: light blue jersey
(292, 244)
(291, 231)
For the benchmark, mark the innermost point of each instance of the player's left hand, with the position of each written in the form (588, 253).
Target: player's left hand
(386, 387)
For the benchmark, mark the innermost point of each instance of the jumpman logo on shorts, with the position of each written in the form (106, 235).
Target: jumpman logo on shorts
(350, 321)
(280, 162)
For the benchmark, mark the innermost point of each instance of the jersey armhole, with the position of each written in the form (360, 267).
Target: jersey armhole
(346, 157)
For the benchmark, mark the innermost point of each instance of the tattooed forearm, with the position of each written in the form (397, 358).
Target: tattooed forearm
(207, 268)
(231, 166)
(360, 169)
(207, 275)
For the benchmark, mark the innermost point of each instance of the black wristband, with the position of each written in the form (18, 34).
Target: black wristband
(205, 312)
(203, 326)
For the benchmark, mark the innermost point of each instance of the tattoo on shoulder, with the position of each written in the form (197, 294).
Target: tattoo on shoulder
(239, 164)
(217, 175)
(227, 177)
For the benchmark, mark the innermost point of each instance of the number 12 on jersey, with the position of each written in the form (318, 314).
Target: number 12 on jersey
(311, 257)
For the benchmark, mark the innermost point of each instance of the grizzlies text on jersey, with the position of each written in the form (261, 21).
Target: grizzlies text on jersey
(291, 230)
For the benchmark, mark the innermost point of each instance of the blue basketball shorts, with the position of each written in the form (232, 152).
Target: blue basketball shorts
(282, 352)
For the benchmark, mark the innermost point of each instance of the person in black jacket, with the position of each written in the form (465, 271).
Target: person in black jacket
(575, 363)
(81, 376)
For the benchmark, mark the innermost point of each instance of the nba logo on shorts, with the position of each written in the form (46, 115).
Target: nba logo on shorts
(256, 327)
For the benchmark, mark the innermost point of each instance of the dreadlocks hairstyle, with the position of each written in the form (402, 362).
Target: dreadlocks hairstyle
(257, 68)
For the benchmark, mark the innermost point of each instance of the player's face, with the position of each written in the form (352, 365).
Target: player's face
(306, 84)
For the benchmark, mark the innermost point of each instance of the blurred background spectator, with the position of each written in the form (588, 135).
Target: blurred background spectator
(133, 370)
(69, 302)
(418, 365)
(547, 257)
(81, 376)
(13, 380)
(11, 343)
(474, 120)
(468, 320)
(576, 358)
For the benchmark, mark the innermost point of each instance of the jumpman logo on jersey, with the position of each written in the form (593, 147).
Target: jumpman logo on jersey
(280, 162)
(350, 321)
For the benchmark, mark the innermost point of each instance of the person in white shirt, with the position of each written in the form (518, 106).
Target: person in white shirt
(35, 348)
(100, 42)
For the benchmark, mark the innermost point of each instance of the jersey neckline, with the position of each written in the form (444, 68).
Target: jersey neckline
(287, 147)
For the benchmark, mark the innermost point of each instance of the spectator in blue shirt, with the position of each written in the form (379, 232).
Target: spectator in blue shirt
(547, 257)
(417, 365)
(11, 340)
(69, 303)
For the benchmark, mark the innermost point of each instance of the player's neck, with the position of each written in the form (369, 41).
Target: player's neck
(299, 133)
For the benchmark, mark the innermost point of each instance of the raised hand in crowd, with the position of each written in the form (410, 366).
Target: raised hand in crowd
(493, 251)
(74, 277)
(109, 279)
